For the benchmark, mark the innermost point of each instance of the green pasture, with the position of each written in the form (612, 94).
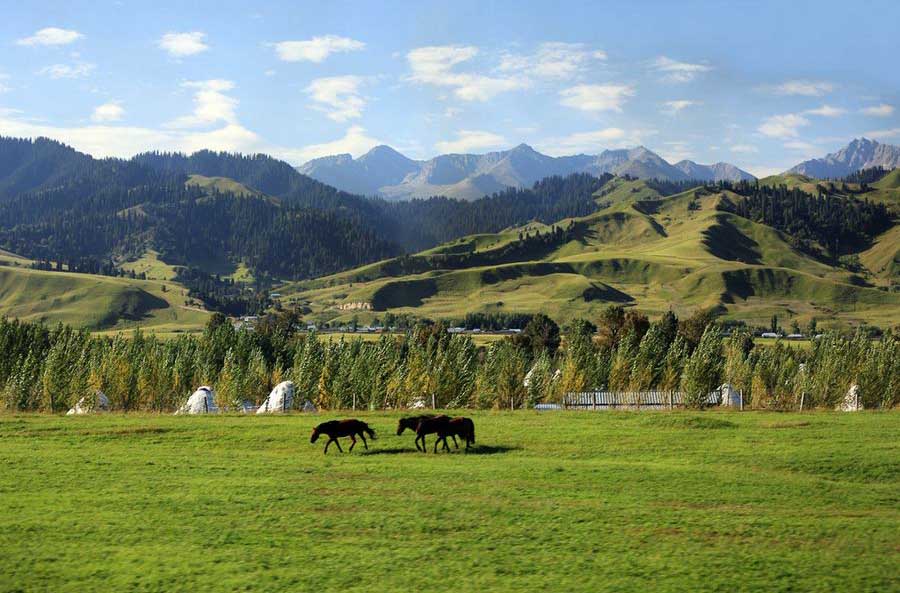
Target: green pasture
(556, 501)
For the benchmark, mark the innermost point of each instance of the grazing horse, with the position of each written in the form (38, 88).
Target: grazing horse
(461, 427)
(435, 425)
(336, 429)
(412, 423)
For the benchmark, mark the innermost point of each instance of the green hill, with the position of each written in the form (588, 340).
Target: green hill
(95, 302)
(640, 248)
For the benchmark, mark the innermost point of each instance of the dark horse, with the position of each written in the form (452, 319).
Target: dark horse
(413, 423)
(336, 429)
(444, 427)
(461, 427)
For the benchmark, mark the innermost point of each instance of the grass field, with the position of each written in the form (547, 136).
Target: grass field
(555, 502)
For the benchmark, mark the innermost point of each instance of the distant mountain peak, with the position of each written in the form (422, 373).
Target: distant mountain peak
(384, 171)
(860, 153)
(522, 148)
(383, 150)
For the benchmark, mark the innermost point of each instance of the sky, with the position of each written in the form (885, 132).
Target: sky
(763, 85)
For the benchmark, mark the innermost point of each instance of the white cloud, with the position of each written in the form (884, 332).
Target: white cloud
(596, 97)
(57, 71)
(211, 104)
(674, 71)
(51, 36)
(882, 134)
(807, 88)
(553, 60)
(126, 141)
(761, 171)
(338, 96)
(743, 148)
(783, 126)
(111, 111)
(825, 111)
(594, 141)
(180, 45)
(673, 107)
(799, 145)
(883, 110)
(316, 49)
(470, 140)
(434, 66)
(355, 142)
(676, 151)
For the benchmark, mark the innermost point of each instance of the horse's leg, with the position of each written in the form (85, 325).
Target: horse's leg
(328, 443)
(454, 441)
(352, 442)
(363, 437)
(446, 447)
(338, 443)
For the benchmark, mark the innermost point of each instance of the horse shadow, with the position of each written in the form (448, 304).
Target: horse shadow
(475, 450)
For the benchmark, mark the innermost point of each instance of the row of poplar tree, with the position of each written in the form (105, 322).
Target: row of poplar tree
(48, 370)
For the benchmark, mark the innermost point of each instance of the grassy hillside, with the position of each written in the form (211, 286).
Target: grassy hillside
(640, 248)
(593, 502)
(152, 266)
(886, 190)
(11, 259)
(227, 185)
(95, 302)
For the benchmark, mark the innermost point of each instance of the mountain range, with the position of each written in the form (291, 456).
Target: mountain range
(203, 222)
(389, 174)
(861, 153)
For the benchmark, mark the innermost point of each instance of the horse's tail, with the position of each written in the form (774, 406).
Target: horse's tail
(369, 431)
(471, 429)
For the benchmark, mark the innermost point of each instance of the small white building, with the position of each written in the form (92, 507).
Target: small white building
(202, 401)
(98, 402)
(281, 399)
(730, 396)
(852, 401)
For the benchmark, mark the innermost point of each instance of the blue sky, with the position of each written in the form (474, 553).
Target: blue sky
(762, 84)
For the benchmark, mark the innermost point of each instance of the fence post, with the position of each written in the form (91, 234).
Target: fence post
(802, 393)
(433, 402)
(741, 392)
(354, 401)
(671, 402)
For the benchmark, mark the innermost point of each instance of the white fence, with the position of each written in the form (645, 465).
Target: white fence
(632, 400)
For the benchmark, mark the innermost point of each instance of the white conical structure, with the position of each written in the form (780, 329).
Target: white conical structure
(89, 404)
(280, 399)
(202, 401)
(308, 406)
(731, 397)
(852, 401)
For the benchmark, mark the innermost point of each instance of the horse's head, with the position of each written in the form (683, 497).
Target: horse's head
(402, 425)
(315, 435)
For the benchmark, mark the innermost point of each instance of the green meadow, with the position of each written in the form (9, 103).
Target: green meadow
(559, 501)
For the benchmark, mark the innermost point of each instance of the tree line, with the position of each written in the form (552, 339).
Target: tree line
(49, 369)
(836, 223)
